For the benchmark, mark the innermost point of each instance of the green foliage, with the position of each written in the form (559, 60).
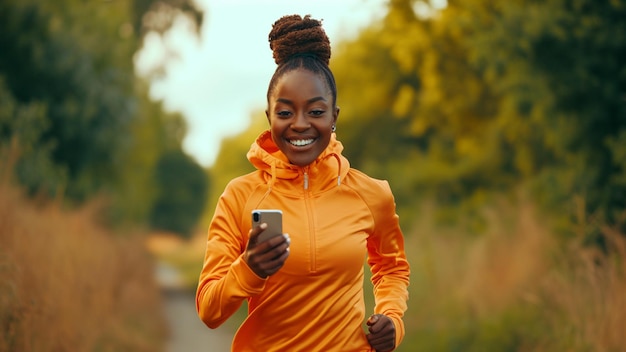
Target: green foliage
(520, 325)
(182, 186)
(71, 68)
(21, 126)
(562, 99)
(81, 122)
(468, 335)
(153, 133)
(481, 97)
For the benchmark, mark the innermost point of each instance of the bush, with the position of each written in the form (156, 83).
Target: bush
(68, 284)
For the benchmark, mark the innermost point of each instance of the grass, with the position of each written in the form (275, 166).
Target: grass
(516, 287)
(68, 284)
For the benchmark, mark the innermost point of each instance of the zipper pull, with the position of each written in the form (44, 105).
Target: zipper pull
(306, 180)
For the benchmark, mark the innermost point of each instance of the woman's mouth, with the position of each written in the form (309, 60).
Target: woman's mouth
(301, 142)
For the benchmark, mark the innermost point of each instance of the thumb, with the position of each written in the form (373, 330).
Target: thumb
(372, 320)
(254, 233)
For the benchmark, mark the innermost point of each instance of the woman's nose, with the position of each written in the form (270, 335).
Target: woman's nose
(300, 121)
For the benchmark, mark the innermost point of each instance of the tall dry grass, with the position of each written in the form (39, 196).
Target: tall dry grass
(588, 290)
(68, 284)
(517, 287)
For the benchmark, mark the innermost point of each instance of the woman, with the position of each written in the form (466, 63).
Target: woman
(305, 290)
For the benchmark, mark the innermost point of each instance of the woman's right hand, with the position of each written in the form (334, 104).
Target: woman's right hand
(267, 257)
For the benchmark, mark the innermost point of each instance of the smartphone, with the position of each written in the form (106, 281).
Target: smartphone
(274, 220)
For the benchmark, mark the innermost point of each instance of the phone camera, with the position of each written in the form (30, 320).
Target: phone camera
(255, 216)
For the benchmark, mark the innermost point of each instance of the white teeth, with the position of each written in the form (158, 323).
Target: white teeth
(301, 142)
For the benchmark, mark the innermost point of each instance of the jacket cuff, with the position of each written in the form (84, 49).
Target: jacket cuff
(399, 325)
(248, 280)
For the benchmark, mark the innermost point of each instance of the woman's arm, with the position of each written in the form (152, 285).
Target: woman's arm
(225, 280)
(388, 262)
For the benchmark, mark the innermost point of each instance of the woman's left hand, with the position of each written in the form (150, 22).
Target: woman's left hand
(382, 336)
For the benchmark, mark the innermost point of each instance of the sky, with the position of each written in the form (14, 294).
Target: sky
(216, 80)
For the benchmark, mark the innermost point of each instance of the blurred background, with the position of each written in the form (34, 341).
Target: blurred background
(501, 127)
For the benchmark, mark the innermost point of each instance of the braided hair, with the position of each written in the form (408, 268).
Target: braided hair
(297, 43)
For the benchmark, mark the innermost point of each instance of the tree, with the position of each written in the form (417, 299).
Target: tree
(81, 120)
(182, 186)
(483, 96)
(71, 71)
(557, 67)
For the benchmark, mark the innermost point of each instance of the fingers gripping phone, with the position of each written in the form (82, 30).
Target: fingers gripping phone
(274, 220)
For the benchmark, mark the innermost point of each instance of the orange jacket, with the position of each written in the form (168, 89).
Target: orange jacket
(336, 217)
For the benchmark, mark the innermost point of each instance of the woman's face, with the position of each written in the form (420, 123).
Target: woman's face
(301, 114)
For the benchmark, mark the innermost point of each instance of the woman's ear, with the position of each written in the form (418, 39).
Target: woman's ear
(267, 115)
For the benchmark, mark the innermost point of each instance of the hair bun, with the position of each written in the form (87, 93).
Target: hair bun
(296, 36)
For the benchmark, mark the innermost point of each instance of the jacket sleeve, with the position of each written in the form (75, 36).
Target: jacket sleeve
(225, 280)
(387, 260)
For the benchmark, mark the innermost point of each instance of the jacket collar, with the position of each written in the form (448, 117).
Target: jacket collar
(327, 170)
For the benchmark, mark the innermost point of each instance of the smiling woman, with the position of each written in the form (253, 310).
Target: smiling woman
(302, 95)
(304, 284)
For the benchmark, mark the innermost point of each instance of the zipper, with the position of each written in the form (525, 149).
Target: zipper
(306, 180)
(311, 222)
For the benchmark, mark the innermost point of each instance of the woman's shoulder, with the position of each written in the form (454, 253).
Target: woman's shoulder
(366, 185)
(359, 178)
(375, 193)
(245, 184)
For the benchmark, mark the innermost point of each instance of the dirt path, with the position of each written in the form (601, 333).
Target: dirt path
(188, 333)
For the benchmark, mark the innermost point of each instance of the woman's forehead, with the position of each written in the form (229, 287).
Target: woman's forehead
(301, 82)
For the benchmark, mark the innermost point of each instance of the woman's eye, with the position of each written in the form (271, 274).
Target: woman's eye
(283, 113)
(317, 112)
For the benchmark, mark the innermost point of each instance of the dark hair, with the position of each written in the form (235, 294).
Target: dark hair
(297, 43)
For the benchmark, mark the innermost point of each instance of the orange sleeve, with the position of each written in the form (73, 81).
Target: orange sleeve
(225, 280)
(387, 260)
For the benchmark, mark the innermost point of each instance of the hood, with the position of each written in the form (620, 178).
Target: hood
(326, 171)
